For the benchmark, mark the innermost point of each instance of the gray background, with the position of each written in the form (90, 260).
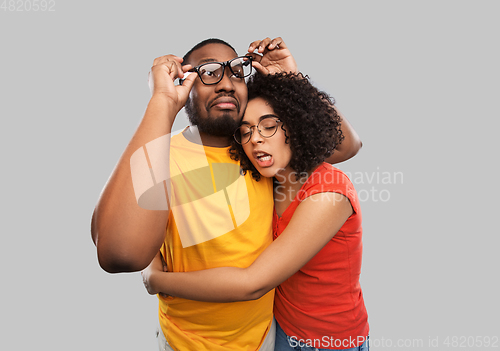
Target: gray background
(418, 80)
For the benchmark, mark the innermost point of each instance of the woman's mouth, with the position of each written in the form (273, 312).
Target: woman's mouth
(264, 159)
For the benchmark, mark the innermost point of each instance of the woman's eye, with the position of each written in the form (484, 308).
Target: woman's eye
(268, 125)
(245, 132)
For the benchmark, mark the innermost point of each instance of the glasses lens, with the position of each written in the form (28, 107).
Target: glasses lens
(210, 73)
(241, 67)
(243, 134)
(267, 127)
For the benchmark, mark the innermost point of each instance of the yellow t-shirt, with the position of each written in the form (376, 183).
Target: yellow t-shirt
(218, 218)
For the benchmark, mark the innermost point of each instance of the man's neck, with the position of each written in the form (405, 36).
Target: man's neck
(194, 135)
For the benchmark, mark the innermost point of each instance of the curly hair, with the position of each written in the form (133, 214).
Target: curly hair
(308, 115)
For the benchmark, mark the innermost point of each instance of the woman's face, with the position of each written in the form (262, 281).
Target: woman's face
(268, 155)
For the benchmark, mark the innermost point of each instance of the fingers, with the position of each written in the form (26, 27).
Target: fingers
(163, 73)
(259, 68)
(185, 69)
(189, 79)
(187, 84)
(172, 64)
(167, 58)
(276, 43)
(267, 43)
(253, 45)
(259, 45)
(255, 57)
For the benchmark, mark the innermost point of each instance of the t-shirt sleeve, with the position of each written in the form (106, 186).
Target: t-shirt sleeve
(328, 179)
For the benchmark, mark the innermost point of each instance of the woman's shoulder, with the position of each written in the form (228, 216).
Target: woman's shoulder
(326, 174)
(327, 178)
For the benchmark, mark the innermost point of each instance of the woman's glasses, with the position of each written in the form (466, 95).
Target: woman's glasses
(267, 127)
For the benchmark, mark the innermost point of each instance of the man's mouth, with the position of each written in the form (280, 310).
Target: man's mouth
(225, 103)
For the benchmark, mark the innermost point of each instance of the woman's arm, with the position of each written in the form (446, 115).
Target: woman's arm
(304, 237)
(351, 144)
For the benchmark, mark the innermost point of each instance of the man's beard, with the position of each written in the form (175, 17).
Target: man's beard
(223, 126)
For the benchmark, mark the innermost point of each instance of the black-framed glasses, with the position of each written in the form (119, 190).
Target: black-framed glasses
(213, 72)
(267, 127)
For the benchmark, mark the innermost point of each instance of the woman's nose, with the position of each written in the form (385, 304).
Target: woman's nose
(256, 138)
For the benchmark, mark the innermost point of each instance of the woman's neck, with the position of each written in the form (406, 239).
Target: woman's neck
(286, 187)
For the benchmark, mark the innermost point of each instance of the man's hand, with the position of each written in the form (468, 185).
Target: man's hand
(156, 267)
(272, 56)
(162, 75)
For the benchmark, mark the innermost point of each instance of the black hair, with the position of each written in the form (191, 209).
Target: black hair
(202, 44)
(308, 115)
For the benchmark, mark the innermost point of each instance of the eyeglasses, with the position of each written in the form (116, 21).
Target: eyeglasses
(213, 72)
(267, 127)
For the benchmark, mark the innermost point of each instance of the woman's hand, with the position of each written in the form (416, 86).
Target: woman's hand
(152, 273)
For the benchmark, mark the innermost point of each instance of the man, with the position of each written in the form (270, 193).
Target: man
(213, 215)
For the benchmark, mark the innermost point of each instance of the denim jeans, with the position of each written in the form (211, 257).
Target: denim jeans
(286, 343)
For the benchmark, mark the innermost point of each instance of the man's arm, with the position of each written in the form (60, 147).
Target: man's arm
(351, 144)
(127, 236)
(273, 56)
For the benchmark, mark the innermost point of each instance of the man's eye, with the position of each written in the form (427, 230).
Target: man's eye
(238, 71)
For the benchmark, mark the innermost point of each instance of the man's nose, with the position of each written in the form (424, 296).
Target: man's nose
(226, 83)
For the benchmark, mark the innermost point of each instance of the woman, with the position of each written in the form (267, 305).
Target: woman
(288, 130)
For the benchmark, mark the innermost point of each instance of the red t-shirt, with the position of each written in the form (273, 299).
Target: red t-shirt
(323, 302)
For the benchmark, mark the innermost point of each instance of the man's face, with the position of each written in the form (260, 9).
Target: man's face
(216, 109)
